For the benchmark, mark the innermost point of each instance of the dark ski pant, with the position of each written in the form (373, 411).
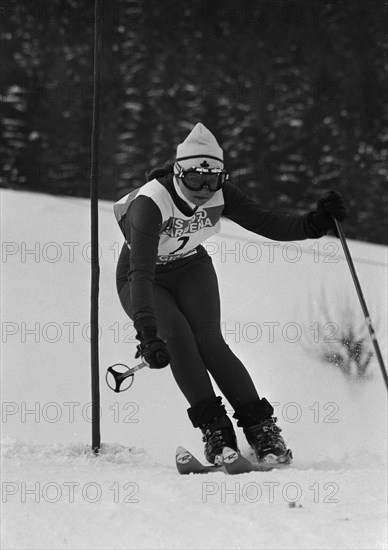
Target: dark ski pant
(187, 307)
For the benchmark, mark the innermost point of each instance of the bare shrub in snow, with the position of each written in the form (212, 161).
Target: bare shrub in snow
(338, 335)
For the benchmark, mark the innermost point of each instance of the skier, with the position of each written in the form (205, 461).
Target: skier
(168, 287)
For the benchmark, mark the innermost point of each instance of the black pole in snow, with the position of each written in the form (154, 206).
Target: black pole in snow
(95, 267)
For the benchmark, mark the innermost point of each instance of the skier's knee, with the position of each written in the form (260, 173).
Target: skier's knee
(208, 333)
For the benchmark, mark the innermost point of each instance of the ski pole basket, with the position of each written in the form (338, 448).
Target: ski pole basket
(121, 373)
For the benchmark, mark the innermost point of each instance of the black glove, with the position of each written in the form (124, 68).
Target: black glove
(152, 349)
(330, 206)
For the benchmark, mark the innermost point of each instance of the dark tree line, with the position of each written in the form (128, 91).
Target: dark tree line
(293, 90)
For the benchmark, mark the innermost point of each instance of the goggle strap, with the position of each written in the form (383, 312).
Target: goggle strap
(200, 156)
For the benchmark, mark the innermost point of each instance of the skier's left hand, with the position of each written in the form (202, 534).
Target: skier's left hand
(330, 206)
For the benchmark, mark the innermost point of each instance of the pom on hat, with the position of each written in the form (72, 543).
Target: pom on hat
(200, 146)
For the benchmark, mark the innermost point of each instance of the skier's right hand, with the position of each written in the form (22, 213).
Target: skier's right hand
(152, 349)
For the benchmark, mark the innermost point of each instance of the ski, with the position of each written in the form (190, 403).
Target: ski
(233, 463)
(186, 463)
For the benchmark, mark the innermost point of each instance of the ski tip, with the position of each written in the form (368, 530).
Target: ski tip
(229, 455)
(183, 456)
(180, 450)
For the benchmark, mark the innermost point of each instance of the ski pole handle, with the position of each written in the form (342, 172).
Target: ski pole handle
(120, 376)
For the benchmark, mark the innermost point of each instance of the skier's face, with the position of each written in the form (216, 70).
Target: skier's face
(198, 184)
(199, 197)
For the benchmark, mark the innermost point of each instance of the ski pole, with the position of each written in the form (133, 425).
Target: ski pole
(362, 301)
(120, 376)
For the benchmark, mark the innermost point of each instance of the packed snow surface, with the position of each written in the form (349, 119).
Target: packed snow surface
(281, 302)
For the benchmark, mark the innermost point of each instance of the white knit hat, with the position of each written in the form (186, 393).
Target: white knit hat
(200, 147)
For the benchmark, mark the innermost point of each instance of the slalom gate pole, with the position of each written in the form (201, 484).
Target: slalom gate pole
(362, 301)
(95, 267)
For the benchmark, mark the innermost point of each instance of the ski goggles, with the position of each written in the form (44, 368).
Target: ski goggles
(196, 178)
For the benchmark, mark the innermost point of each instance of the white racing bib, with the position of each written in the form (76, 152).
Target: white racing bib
(180, 234)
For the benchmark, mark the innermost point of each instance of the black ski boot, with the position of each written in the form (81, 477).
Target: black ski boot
(217, 429)
(262, 433)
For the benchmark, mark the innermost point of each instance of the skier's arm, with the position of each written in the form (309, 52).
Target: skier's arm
(142, 228)
(276, 226)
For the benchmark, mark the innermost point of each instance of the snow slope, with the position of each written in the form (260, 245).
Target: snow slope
(56, 494)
